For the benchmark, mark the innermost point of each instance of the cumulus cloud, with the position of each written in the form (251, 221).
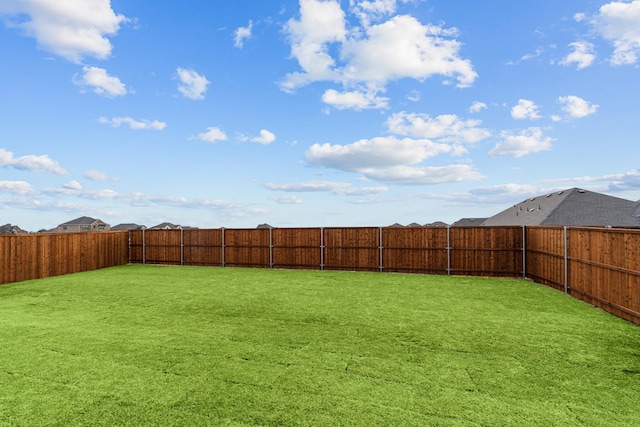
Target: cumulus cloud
(367, 58)
(427, 175)
(213, 134)
(376, 153)
(520, 144)
(444, 128)
(95, 175)
(354, 100)
(338, 188)
(71, 29)
(266, 137)
(525, 109)
(30, 163)
(287, 200)
(101, 82)
(576, 107)
(21, 188)
(617, 22)
(192, 85)
(241, 34)
(583, 55)
(133, 124)
(477, 106)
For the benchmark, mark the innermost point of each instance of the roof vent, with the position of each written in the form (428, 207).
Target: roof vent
(580, 191)
(560, 192)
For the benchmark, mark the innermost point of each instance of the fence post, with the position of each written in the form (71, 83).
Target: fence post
(524, 252)
(448, 250)
(129, 247)
(566, 263)
(380, 247)
(222, 247)
(270, 247)
(321, 248)
(144, 247)
(181, 246)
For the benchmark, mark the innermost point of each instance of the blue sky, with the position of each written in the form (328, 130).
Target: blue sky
(313, 112)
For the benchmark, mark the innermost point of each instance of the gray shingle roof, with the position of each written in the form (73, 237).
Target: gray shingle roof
(83, 220)
(572, 207)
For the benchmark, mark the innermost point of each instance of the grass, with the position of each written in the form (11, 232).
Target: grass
(145, 345)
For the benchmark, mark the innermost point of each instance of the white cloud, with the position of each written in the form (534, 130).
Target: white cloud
(618, 22)
(71, 29)
(95, 175)
(428, 175)
(376, 153)
(525, 142)
(577, 107)
(73, 185)
(444, 128)
(477, 106)
(101, 82)
(338, 188)
(192, 85)
(213, 134)
(371, 56)
(241, 34)
(287, 200)
(133, 124)
(30, 163)
(354, 100)
(525, 110)
(265, 137)
(372, 10)
(21, 188)
(583, 55)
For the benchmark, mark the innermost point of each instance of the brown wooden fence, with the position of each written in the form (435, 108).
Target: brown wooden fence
(599, 266)
(34, 256)
(496, 251)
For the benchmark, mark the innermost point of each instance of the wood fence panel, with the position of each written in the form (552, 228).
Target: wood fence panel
(415, 250)
(603, 269)
(163, 247)
(35, 256)
(202, 247)
(545, 255)
(136, 246)
(297, 248)
(247, 247)
(355, 249)
(482, 251)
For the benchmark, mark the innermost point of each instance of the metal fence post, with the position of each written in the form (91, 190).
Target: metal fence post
(181, 246)
(144, 247)
(566, 262)
(270, 247)
(321, 248)
(448, 250)
(380, 247)
(222, 247)
(524, 252)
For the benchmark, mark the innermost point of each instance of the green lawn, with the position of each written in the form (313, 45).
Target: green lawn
(146, 345)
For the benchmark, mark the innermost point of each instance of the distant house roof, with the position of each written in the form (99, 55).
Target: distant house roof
(83, 220)
(572, 207)
(265, 225)
(437, 224)
(469, 222)
(166, 226)
(11, 229)
(128, 226)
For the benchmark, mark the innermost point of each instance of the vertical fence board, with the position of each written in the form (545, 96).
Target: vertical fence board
(35, 256)
(354, 249)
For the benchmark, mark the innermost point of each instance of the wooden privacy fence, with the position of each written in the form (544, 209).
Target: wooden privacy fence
(597, 265)
(481, 251)
(34, 256)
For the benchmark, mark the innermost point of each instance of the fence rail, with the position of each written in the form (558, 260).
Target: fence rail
(599, 266)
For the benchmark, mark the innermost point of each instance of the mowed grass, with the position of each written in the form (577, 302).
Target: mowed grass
(148, 345)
